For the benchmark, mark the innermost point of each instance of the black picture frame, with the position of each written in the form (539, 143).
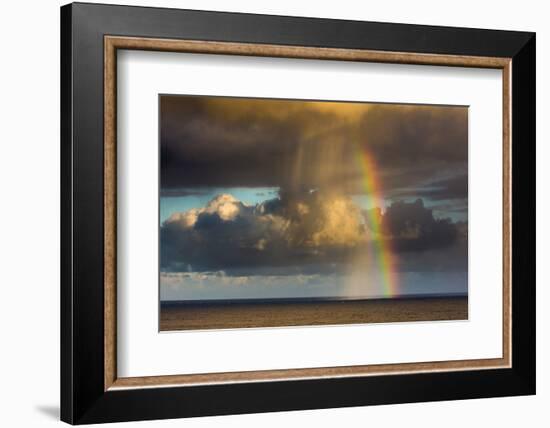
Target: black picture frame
(83, 398)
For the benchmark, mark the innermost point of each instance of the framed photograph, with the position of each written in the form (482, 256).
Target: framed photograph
(265, 213)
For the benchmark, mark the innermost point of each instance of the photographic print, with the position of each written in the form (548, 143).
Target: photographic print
(281, 212)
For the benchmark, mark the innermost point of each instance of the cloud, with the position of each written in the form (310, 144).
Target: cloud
(224, 142)
(280, 231)
(454, 187)
(176, 193)
(315, 229)
(413, 227)
(218, 285)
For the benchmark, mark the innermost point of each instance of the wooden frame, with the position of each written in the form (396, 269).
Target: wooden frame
(112, 43)
(511, 52)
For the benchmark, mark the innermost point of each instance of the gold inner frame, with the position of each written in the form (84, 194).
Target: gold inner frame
(113, 43)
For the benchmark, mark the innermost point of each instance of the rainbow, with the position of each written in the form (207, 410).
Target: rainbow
(382, 250)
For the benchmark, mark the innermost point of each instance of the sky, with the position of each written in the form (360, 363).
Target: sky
(266, 198)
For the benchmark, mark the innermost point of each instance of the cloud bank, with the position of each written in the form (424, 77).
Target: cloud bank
(322, 230)
(225, 142)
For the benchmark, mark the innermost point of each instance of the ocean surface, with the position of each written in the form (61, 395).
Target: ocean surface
(247, 313)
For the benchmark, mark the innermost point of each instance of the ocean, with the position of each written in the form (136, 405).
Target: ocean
(248, 313)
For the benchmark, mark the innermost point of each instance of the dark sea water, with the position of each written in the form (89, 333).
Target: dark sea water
(216, 314)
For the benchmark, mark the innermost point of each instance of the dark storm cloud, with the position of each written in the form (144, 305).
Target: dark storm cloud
(314, 230)
(455, 187)
(174, 193)
(413, 227)
(213, 142)
(457, 207)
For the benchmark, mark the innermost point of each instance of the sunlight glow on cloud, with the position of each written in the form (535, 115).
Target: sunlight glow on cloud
(305, 229)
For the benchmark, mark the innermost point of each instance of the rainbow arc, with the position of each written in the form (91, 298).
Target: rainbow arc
(381, 245)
